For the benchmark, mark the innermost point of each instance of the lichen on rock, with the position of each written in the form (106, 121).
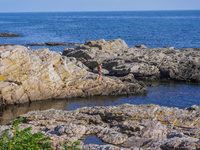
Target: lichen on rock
(118, 127)
(44, 74)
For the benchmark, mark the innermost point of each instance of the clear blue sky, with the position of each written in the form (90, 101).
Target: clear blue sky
(95, 5)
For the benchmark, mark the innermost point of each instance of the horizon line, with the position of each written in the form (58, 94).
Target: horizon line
(102, 11)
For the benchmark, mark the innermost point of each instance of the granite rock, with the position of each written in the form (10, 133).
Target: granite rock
(32, 75)
(143, 62)
(121, 127)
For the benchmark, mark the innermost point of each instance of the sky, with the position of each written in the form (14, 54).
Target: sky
(96, 5)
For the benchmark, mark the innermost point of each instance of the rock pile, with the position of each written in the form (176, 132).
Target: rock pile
(121, 127)
(143, 62)
(31, 75)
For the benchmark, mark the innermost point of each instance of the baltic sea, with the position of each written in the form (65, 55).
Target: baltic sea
(179, 29)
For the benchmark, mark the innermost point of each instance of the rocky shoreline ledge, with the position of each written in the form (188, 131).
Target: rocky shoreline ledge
(147, 63)
(30, 75)
(121, 127)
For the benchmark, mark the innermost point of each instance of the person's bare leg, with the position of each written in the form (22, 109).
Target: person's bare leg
(99, 77)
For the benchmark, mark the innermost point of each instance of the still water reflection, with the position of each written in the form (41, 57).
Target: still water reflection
(169, 94)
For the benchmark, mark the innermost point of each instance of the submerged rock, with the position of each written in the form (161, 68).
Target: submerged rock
(121, 127)
(36, 44)
(9, 35)
(55, 44)
(6, 44)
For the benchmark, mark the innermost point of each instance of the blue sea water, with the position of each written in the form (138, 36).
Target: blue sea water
(180, 29)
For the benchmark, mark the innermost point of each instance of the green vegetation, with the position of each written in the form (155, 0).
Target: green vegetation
(72, 146)
(13, 139)
(23, 139)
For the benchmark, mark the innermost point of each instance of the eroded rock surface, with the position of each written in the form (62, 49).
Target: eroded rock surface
(31, 75)
(143, 62)
(121, 127)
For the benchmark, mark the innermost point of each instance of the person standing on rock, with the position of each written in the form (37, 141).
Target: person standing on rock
(99, 71)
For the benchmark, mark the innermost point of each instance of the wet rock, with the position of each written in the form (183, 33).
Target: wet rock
(9, 35)
(73, 44)
(140, 46)
(36, 44)
(55, 44)
(6, 44)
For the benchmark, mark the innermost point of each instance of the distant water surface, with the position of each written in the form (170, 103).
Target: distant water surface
(180, 29)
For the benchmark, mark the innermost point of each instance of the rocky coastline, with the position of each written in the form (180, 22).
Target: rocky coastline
(143, 62)
(30, 75)
(120, 127)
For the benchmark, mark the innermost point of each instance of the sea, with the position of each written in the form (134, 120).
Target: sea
(179, 29)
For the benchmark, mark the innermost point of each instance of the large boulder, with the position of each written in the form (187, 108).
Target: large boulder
(115, 45)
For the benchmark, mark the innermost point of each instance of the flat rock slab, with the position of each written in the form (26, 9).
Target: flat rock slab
(9, 35)
(36, 44)
(55, 44)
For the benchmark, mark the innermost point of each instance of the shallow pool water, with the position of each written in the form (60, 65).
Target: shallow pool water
(93, 140)
(170, 94)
